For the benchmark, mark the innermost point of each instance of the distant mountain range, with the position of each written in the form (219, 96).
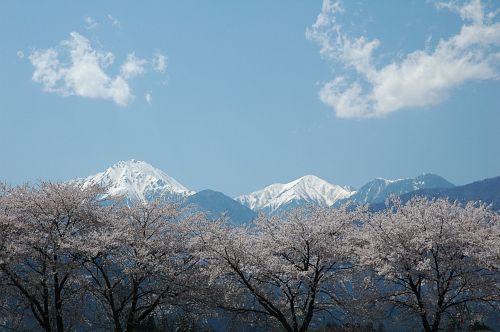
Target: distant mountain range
(486, 191)
(378, 190)
(137, 180)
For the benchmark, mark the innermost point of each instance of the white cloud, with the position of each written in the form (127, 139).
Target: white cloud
(160, 62)
(90, 23)
(20, 54)
(114, 21)
(421, 78)
(473, 10)
(149, 98)
(82, 75)
(133, 66)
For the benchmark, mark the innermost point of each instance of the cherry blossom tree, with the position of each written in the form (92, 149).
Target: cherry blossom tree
(40, 226)
(69, 259)
(433, 258)
(286, 268)
(139, 262)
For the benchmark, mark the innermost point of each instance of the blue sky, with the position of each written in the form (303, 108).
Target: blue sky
(235, 95)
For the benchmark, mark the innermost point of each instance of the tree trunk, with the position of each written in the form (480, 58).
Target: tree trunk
(310, 308)
(131, 315)
(437, 321)
(116, 319)
(57, 298)
(425, 323)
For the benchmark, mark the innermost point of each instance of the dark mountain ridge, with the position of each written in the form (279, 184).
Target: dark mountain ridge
(485, 191)
(215, 204)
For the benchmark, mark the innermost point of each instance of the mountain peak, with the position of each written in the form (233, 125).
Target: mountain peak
(130, 161)
(304, 190)
(138, 180)
(309, 179)
(385, 181)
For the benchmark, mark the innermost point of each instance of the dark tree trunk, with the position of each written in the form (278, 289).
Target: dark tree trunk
(131, 323)
(57, 298)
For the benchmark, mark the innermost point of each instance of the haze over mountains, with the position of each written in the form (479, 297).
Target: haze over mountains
(137, 180)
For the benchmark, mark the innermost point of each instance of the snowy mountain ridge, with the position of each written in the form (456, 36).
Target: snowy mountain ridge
(137, 180)
(379, 189)
(304, 190)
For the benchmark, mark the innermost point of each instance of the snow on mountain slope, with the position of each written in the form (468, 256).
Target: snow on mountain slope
(379, 189)
(307, 189)
(138, 180)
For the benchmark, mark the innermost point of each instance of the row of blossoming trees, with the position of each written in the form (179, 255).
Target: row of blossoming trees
(73, 260)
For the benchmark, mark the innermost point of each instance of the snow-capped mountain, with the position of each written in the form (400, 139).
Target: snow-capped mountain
(308, 189)
(379, 189)
(138, 180)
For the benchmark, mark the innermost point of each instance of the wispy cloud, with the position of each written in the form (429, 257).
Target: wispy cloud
(148, 97)
(90, 23)
(20, 54)
(160, 62)
(114, 21)
(421, 78)
(133, 66)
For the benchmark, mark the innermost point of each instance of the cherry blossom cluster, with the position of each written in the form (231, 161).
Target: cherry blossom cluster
(71, 258)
